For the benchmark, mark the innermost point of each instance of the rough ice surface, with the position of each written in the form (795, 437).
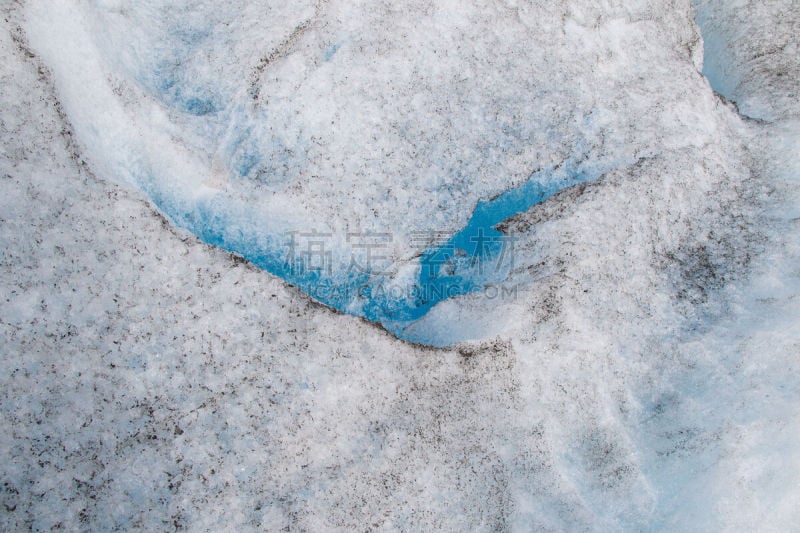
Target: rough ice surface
(751, 50)
(641, 373)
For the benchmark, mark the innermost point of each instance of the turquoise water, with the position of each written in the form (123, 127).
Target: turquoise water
(473, 258)
(470, 260)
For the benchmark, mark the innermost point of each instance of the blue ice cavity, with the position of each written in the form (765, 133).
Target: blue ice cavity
(474, 258)
(171, 78)
(716, 53)
(331, 51)
(169, 86)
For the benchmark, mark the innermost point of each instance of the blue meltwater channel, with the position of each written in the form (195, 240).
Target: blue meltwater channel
(470, 260)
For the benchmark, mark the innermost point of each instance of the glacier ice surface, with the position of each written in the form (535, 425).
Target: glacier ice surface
(643, 378)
